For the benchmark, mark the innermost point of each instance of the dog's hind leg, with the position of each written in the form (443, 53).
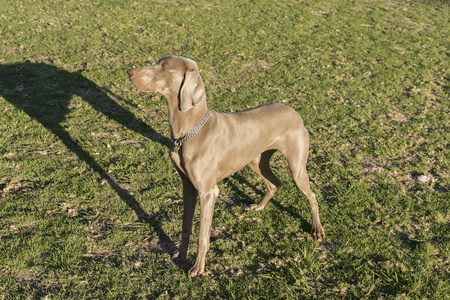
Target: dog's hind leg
(261, 166)
(297, 156)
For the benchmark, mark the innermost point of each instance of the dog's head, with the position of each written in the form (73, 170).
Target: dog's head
(174, 77)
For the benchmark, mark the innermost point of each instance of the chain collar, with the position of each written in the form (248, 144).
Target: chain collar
(177, 143)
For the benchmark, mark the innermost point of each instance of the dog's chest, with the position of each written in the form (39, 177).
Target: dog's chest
(176, 159)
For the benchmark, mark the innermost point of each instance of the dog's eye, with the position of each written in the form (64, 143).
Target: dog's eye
(163, 65)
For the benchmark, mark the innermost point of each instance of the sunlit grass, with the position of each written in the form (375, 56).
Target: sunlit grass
(89, 204)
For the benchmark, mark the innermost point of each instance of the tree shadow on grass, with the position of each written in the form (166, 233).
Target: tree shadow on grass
(44, 93)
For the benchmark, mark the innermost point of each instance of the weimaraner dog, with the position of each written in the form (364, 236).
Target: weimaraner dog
(208, 146)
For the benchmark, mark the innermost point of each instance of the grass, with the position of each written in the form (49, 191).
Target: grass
(90, 202)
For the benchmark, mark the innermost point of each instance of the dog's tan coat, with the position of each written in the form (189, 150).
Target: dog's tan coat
(224, 145)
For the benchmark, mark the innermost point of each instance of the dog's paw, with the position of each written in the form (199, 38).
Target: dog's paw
(195, 271)
(318, 233)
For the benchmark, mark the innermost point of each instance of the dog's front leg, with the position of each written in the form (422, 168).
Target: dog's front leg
(207, 200)
(189, 201)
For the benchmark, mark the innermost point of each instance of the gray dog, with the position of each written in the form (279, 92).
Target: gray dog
(208, 146)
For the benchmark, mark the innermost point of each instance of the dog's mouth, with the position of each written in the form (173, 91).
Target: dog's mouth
(150, 91)
(132, 75)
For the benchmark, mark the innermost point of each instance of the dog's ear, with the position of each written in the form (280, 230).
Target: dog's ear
(192, 91)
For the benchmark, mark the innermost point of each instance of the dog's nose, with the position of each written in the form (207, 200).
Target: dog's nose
(130, 73)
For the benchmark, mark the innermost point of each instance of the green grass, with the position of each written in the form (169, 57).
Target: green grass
(89, 205)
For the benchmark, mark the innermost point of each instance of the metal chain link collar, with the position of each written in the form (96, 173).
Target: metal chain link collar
(177, 143)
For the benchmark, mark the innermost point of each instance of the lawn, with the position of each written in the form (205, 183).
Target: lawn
(90, 203)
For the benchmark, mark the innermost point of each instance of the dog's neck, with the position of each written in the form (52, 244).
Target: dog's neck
(182, 122)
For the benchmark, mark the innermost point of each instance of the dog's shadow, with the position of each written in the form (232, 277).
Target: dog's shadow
(247, 200)
(44, 93)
